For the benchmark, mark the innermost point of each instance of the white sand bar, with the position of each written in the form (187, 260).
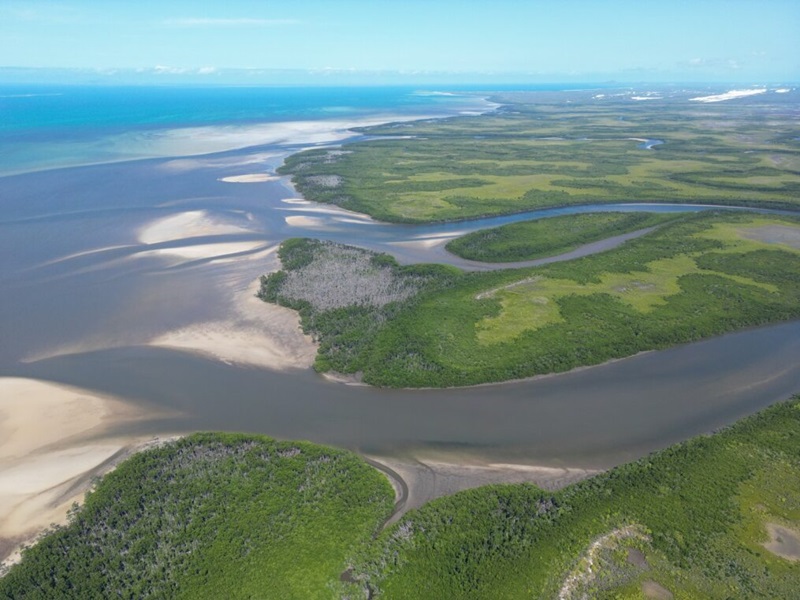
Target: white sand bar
(251, 178)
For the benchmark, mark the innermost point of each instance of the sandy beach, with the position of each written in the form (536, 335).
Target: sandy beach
(52, 444)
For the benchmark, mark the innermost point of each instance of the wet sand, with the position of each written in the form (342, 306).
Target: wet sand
(255, 333)
(417, 481)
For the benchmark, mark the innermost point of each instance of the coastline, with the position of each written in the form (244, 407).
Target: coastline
(54, 440)
(251, 334)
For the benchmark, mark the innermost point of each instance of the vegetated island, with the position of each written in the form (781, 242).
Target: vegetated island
(543, 150)
(235, 516)
(435, 326)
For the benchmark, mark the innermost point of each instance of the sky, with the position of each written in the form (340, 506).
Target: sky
(385, 40)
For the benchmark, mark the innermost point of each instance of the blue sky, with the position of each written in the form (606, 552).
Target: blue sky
(588, 40)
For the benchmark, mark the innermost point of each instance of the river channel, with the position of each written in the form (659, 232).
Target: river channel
(90, 274)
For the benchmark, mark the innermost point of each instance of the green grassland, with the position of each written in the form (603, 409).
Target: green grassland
(701, 275)
(212, 516)
(690, 521)
(529, 240)
(532, 154)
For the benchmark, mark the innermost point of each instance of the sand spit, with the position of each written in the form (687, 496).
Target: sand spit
(51, 446)
(256, 333)
(424, 480)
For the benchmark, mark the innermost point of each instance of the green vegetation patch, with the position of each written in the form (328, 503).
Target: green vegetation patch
(212, 516)
(534, 154)
(688, 522)
(702, 275)
(529, 240)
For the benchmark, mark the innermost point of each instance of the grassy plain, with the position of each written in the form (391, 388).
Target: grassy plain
(568, 149)
(701, 275)
(548, 237)
(690, 522)
(212, 516)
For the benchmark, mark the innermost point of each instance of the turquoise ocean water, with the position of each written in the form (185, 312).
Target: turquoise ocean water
(55, 126)
(50, 126)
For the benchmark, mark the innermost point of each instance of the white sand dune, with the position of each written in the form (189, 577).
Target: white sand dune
(731, 95)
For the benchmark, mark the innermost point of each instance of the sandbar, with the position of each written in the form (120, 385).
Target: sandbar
(250, 178)
(256, 333)
(194, 223)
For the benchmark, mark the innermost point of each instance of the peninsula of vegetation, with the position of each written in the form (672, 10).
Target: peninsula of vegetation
(234, 516)
(435, 326)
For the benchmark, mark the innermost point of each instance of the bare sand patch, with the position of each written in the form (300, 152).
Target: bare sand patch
(656, 591)
(51, 445)
(637, 558)
(774, 234)
(783, 542)
(256, 333)
(250, 178)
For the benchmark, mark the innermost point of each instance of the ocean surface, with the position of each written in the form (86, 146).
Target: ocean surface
(48, 126)
(116, 228)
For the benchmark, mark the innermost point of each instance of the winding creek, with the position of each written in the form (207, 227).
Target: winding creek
(92, 270)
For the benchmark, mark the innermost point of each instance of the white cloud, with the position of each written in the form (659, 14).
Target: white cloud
(234, 22)
(164, 70)
(206, 70)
